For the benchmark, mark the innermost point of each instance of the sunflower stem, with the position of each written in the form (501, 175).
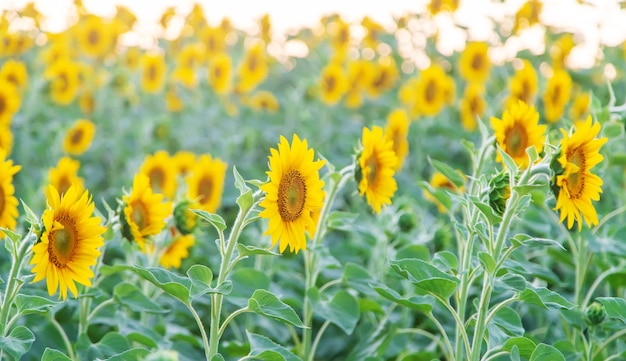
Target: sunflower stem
(12, 285)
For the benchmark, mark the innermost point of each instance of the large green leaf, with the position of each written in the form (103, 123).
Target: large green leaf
(110, 345)
(426, 277)
(545, 352)
(214, 219)
(130, 355)
(130, 296)
(201, 277)
(262, 348)
(615, 307)
(524, 345)
(267, 304)
(18, 342)
(343, 221)
(27, 304)
(544, 298)
(245, 282)
(420, 303)
(342, 310)
(54, 355)
(358, 278)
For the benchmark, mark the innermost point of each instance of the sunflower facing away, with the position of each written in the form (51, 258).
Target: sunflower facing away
(8, 202)
(205, 184)
(69, 244)
(578, 187)
(65, 175)
(375, 168)
(518, 130)
(177, 251)
(79, 137)
(293, 194)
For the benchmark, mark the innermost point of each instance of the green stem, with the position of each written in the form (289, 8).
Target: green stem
(485, 297)
(597, 282)
(97, 309)
(606, 342)
(498, 307)
(318, 337)
(456, 318)
(230, 318)
(207, 348)
(446, 341)
(496, 355)
(12, 286)
(66, 340)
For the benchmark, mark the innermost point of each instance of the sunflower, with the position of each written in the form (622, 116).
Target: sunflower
(220, 73)
(143, 213)
(185, 76)
(375, 168)
(359, 74)
(95, 37)
(161, 171)
(397, 131)
(440, 181)
(167, 15)
(15, 73)
(64, 81)
(523, 85)
(177, 251)
(528, 15)
(339, 35)
(173, 101)
(9, 102)
(264, 100)
(293, 195)
(373, 31)
(8, 202)
(205, 184)
(333, 84)
(474, 63)
(185, 161)
(65, 175)
(578, 187)
(253, 68)
(385, 75)
(437, 6)
(6, 139)
(557, 95)
(518, 130)
(190, 56)
(472, 105)
(153, 73)
(69, 243)
(561, 49)
(580, 106)
(132, 58)
(79, 137)
(431, 91)
(214, 40)
(86, 102)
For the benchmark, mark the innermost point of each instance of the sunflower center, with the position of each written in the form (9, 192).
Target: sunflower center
(473, 105)
(3, 103)
(525, 96)
(157, 178)
(205, 188)
(151, 73)
(253, 62)
(477, 62)
(217, 72)
(372, 165)
(291, 196)
(516, 140)
(139, 215)
(62, 244)
(93, 37)
(556, 94)
(431, 91)
(380, 80)
(211, 44)
(329, 83)
(576, 181)
(64, 184)
(63, 82)
(343, 35)
(77, 136)
(11, 78)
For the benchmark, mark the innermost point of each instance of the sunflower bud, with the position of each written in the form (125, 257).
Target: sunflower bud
(184, 219)
(595, 313)
(499, 192)
(407, 222)
(126, 233)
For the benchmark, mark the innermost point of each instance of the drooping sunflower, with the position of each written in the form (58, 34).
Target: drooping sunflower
(8, 202)
(253, 68)
(161, 171)
(177, 251)
(557, 95)
(9, 102)
(65, 175)
(518, 130)
(523, 85)
(578, 187)
(69, 244)
(79, 137)
(333, 84)
(205, 184)
(474, 63)
(293, 195)
(221, 73)
(144, 212)
(153, 73)
(375, 168)
(64, 77)
(397, 131)
(6, 139)
(263, 100)
(14, 72)
(472, 105)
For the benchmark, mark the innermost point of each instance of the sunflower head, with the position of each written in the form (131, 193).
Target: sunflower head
(397, 130)
(8, 202)
(79, 137)
(205, 184)
(185, 220)
(374, 169)
(333, 84)
(475, 64)
(65, 175)
(178, 250)
(220, 73)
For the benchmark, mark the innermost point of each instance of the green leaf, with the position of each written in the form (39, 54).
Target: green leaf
(449, 172)
(418, 251)
(214, 219)
(342, 310)
(240, 183)
(344, 221)
(486, 210)
(201, 278)
(31, 217)
(524, 345)
(509, 322)
(615, 307)
(18, 342)
(441, 194)
(27, 304)
(130, 296)
(14, 237)
(110, 345)
(612, 129)
(245, 282)
(358, 278)
(514, 282)
(419, 303)
(445, 260)
(267, 304)
(529, 241)
(246, 250)
(544, 298)
(132, 354)
(545, 352)
(262, 348)
(51, 354)
(426, 277)
(509, 163)
(488, 263)
(217, 357)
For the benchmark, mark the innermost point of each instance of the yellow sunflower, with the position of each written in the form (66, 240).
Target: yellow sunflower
(438, 181)
(339, 35)
(359, 74)
(293, 194)
(557, 95)
(253, 68)
(472, 105)
(375, 168)
(214, 40)
(79, 137)
(264, 100)
(518, 130)
(333, 84)
(161, 170)
(177, 251)
(65, 175)
(185, 161)
(528, 14)
(14, 72)
(432, 91)
(385, 75)
(167, 15)
(9, 102)
(173, 101)
(437, 6)
(64, 81)
(185, 76)
(266, 28)
(69, 244)
(95, 37)
(373, 31)
(8, 202)
(474, 63)
(6, 139)
(578, 187)
(580, 106)
(523, 85)
(86, 102)
(132, 58)
(205, 184)
(397, 131)
(221, 73)
(153, 73)
(190, 56)
(143, 213)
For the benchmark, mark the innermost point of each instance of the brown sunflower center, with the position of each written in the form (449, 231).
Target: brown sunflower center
(93, 37)
(291, 196)
(77, 136)
(62, 243)
(64, 184)
(474, 105)
(516, 140)
(205, 189)
(151, 72)
(525, 94)
(63, 82)
(329, 83)
(576, 181)
(211, 44)
(381, 80)
(477, 62)
(344, 35)
(11, 78)
(431, 91)
(253, 63)
(217, 72)
(556, 94)
(157, 179)
(3, 103)
(373, 166)
(139, 215)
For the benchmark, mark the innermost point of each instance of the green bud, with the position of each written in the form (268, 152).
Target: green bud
(184, 219)
(407, 222)
(595, 313)
(499, 192)
(126, 233)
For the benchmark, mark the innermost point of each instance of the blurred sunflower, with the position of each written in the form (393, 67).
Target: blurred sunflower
(437, 6)
(375, 168)
(474, 63)
(264, 100)
(397, 131)
(86, 102)
(161, 171)
(185, 161)
(143, 213)
(528, 15)
(65, 175)
(173, 101)
(557, 95)
(253, 68)
(440, 181)
(167, 15)
(384, 77)
(205, 182)
(69, 244)
(132, 58)
(214, 40)
(472, 105)
(220, 73)
(152, 73)
(372, 32)
(333, 84)
(561, 49)
(14, 72)
(580, 106)
(64, 81)
(359, 76)
(9, 102)
(265, 25)
(518, 130)
(79, 137)
(430, 92)
(94, 36)
(8, 202)
(577, 186)
(523, 85)
(190, 56)
(177, 251)
(293, 194)
(339, 35)
(185, 76)
(6, 138)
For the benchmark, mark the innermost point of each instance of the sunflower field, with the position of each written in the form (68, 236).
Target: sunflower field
(347, 191)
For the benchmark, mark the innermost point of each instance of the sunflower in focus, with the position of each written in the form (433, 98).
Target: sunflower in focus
(9, 102)
(293, 195)
(177, 251)
(580, 106)
(205, 183)
(375, 168)
(253, 68)
(64, 81)
(333, 84)
(577, 186)
(264, 100)
(474, 63)
(79, 137)
(517, 130)
(440, 181)
(6, 139)
(8, 202)
(397, 131)
(153, 71)
(472, 105)
(220, 73)
(557, 95)
(144, 212)
(523, 85)
(65, 175)
(14, 72)
(161, 170)
(95, 37)
(69, 244)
